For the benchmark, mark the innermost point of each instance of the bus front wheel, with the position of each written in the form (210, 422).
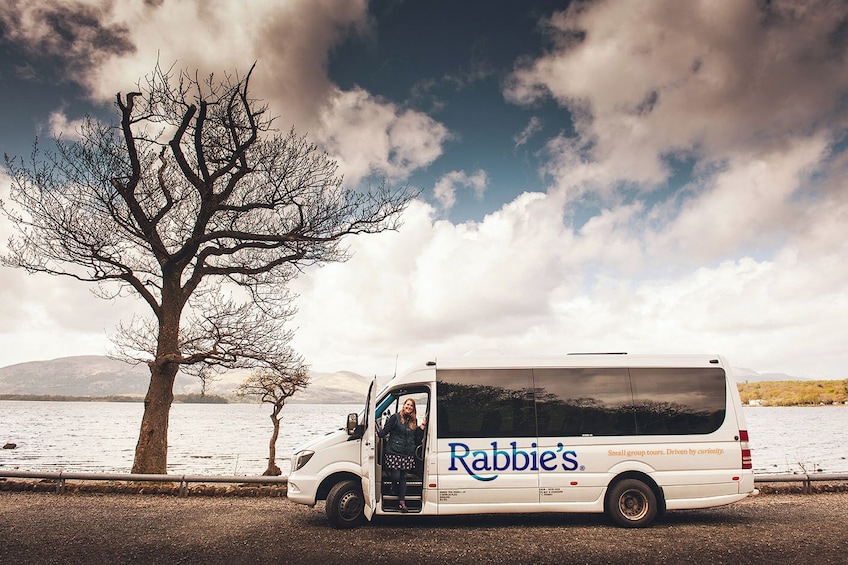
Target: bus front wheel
(346, 505)
(631, 504)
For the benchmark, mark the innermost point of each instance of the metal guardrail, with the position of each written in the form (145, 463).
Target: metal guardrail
(60, 477)
(805, 478)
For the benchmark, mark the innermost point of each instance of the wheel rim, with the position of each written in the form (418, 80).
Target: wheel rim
(350, 506)
(633, 505)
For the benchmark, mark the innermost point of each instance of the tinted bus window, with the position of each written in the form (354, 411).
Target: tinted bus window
(482, 403)
(587, 401)
(678, 401)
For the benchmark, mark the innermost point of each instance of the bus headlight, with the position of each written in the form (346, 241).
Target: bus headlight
(301, 458)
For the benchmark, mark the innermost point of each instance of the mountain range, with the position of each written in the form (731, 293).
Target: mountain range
(750, 376)
(100, 376)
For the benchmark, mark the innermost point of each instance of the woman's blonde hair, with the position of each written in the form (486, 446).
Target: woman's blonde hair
(413, 420)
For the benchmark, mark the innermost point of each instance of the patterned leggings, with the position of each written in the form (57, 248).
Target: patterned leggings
(399, 465)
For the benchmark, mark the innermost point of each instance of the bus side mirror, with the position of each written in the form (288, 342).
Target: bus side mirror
(352, 421)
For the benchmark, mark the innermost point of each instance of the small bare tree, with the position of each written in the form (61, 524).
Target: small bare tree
(206, 378)
(206, 374)
(196, 204)
(274, 387)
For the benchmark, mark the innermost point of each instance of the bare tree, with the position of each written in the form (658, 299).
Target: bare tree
(206, 374)
(196, 204)
(275, 386)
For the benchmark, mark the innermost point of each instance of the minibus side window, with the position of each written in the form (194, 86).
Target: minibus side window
(483, 403)
(678, 401)
(392, 403)
(584, 402)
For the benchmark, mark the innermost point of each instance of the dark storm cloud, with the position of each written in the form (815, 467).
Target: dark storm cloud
(76, 33)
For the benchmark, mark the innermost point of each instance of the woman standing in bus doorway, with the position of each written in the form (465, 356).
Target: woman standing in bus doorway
(404, 435)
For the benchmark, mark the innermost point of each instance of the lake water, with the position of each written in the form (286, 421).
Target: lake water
(232, 439)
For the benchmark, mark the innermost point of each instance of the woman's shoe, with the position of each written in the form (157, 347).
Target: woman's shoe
(403, 508)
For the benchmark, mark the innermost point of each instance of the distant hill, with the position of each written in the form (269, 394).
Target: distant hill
(85, 375)
(100, 376)
(342, 387)
(748, 375)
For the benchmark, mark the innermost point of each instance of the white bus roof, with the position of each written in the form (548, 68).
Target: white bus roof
(574, 360)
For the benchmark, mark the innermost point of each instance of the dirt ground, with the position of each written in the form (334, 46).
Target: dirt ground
(98, 527)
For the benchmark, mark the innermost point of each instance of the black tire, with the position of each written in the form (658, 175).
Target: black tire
(345, 505)
(631, 504)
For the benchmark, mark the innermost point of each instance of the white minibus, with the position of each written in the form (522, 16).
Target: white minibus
(627, 435)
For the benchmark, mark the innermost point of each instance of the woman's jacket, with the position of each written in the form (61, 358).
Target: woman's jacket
(402, 440)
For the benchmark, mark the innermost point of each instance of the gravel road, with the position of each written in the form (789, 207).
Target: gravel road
(44, 528)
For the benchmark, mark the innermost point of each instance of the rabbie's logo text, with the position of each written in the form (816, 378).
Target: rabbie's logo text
(513, 459)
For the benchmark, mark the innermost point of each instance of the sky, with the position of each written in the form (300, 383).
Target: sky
(648, 177)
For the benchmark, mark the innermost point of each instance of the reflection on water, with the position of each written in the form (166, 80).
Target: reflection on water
(232, 439)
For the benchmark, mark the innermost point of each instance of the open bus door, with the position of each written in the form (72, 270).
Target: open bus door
(367, 458)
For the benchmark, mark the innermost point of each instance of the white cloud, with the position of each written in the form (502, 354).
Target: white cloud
(752, 205)
(45, 317)
(649, 80)
(445, 188)
(370, 136)
(60, 125)
(414, 290)
(532, 128)
(519, 282)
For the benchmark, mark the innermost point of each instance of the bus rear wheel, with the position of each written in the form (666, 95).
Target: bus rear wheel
(345, 505)
(631, 504)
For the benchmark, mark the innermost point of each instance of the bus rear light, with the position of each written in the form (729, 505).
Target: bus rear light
(746, 450)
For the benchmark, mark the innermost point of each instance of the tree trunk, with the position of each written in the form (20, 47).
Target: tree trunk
(273, 470)
(151, 451)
